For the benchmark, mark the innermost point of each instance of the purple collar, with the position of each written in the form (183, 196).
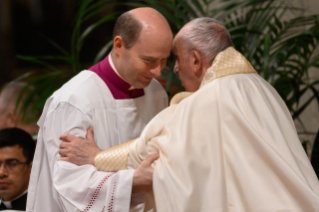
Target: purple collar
(118, 87)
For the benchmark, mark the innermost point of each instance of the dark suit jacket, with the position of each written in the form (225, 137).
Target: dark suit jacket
(18, 204)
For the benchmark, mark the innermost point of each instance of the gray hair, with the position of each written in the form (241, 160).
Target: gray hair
(10, 94)
(207, 36)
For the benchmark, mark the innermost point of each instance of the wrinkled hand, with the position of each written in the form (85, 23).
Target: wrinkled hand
(77, 150)
(143, 176)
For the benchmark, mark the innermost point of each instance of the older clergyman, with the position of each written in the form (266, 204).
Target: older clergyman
(117, 97)
(230, 146)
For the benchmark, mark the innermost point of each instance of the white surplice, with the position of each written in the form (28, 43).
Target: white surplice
(229, 147)
(85, 101)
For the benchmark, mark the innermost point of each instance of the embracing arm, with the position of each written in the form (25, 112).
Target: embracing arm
(82, 187)
(79, 151)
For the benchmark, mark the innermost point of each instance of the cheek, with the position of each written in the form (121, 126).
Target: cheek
(137, 65)
(184, 79)
(21, 177)
(184, 73)
(142, 68)
(16, 179)
(131, 65)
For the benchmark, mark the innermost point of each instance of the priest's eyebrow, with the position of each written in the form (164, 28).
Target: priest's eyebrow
(11, 160)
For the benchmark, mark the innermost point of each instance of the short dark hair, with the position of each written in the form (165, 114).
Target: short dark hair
(13, 136)
(128, 28)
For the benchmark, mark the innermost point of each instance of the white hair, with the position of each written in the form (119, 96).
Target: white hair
(207, 36)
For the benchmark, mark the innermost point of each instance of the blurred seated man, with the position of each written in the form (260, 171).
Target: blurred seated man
(16, 155)
(9, 116)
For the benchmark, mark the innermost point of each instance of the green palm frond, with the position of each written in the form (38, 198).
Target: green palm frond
(50, 78)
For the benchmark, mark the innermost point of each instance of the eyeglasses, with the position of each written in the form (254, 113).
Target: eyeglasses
(12, 164)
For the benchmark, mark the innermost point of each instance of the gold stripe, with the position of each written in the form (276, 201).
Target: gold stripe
(226, 63)
(113, 159)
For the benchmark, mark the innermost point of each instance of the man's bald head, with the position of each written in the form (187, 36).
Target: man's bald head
(142, 42)
(205, 35)
(130, 24)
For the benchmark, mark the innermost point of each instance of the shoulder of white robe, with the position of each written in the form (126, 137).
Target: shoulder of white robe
(177, 98)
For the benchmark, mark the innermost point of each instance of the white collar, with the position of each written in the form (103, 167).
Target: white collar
(113, 67)
(8, 203)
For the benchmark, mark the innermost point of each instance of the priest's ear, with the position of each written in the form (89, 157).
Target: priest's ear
(118, 44)
(197, 62)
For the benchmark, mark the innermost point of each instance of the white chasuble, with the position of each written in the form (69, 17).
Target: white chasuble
(85, 101)
(229, 147)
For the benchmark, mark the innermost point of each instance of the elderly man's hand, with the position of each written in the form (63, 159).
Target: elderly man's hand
(77, 150)
(143, 176)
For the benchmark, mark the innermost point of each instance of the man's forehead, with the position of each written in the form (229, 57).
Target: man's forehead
(176, 44)
(152, 49)
(9, 152)
(153, 34)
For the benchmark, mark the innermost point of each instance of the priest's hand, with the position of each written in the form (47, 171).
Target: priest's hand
(143, 175)
(77, 150)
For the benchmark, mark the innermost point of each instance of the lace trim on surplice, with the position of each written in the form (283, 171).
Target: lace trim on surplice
(96, 193)
(111, 198)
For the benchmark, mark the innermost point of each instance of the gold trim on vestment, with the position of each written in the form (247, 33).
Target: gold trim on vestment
(227, 62)
(113, 159)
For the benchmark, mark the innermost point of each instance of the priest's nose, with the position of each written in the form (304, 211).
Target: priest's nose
(156, 70)
(3, 171)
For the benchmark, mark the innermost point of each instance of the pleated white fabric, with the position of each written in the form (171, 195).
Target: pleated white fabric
(229, 147)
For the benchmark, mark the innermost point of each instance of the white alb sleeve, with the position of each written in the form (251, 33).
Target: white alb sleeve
(82, 188)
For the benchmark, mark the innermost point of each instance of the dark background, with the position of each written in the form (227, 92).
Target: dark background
(25, 25)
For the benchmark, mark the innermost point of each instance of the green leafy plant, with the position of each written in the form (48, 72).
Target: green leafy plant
(49, 77)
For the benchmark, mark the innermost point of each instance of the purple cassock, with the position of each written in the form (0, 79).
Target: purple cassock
(118, 87)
